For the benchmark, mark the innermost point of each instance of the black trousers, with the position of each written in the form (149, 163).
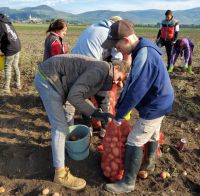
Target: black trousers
(169, 47)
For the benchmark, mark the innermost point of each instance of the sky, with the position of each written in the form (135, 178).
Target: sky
(80, 6)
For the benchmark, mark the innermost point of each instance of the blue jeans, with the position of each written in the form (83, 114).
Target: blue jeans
(53, 104)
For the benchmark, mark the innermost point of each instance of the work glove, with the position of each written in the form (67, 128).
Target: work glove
(128, 116)
(102, 116)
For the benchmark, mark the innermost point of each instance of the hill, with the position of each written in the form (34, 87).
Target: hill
(152, 16)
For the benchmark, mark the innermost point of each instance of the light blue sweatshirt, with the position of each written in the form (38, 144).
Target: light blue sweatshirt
(90, 41)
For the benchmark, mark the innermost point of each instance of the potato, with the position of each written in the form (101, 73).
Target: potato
(163, 175)
(184, 173)
(2, 189)
(73, 138)
(45, 191)
(143, 174)
(55, 194)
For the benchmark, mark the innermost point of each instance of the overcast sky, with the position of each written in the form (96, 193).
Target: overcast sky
(79, 6)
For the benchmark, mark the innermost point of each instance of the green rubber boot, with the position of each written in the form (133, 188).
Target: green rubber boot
(151, 157)
(133, 160)
(189, 70)
(171, 68)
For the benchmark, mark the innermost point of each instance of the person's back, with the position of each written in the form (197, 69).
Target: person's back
(9, 40)
(89, 42)
(10, 45)
(63, 70)
(183, 47)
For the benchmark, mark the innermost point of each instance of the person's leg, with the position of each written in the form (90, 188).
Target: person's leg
(8, 72)
(168, 46)
(17, 71)
(189, 69)
(151, 146)
(140, 135)
(53, 105)
(52, 102)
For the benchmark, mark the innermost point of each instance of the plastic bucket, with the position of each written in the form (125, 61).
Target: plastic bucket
(79, 149)
(2, 60)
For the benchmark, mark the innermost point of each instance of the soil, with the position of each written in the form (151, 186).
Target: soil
(25, 151)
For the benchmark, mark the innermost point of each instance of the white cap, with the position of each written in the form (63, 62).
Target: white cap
(115, 18)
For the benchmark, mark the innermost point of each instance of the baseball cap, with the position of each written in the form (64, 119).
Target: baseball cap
(118, 30)
(115, 18)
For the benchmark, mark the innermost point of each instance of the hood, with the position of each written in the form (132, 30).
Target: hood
(104, 23)
(146, 43)
(4, 19)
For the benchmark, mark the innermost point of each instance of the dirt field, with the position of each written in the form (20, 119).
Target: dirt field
(25, 153)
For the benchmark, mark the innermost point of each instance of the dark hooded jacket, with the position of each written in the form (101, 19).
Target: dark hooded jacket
(77, 78)
(9, 40)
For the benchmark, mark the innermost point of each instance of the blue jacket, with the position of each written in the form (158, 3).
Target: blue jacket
(90, 41)
(148, 87)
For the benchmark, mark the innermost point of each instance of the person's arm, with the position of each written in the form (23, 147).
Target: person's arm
(176, 31)
(85, 86)
(159, 33)
(174, 57)
(130, 97)
(175, 36)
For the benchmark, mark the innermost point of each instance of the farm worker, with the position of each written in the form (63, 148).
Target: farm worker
(74, 78)
(89, 44)
(168, 34)
(10, 45)
(149, 90)
(54, 44)
(184, 47)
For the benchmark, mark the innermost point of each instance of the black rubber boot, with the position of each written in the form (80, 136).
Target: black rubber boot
(133, 160)
(151, 157)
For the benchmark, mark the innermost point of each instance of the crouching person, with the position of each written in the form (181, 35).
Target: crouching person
(72, 78)
(182, 47)
(149, 90)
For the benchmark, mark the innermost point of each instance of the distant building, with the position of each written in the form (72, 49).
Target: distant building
(34, 19)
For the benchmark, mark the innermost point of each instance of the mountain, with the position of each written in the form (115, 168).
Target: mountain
(43, 11)
(152, 16)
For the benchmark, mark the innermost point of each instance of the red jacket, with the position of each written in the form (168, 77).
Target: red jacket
(54, 45)
(168, 29)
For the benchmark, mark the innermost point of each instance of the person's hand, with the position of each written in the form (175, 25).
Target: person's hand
(173, 42)
(117, 123)
(157, 40)
(102, 116)
(1, 53)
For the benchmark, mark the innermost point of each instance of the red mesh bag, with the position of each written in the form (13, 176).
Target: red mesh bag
(112, 162)
(96, 124)
(114, 141)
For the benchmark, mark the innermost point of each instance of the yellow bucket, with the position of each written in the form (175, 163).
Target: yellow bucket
(2, 60)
